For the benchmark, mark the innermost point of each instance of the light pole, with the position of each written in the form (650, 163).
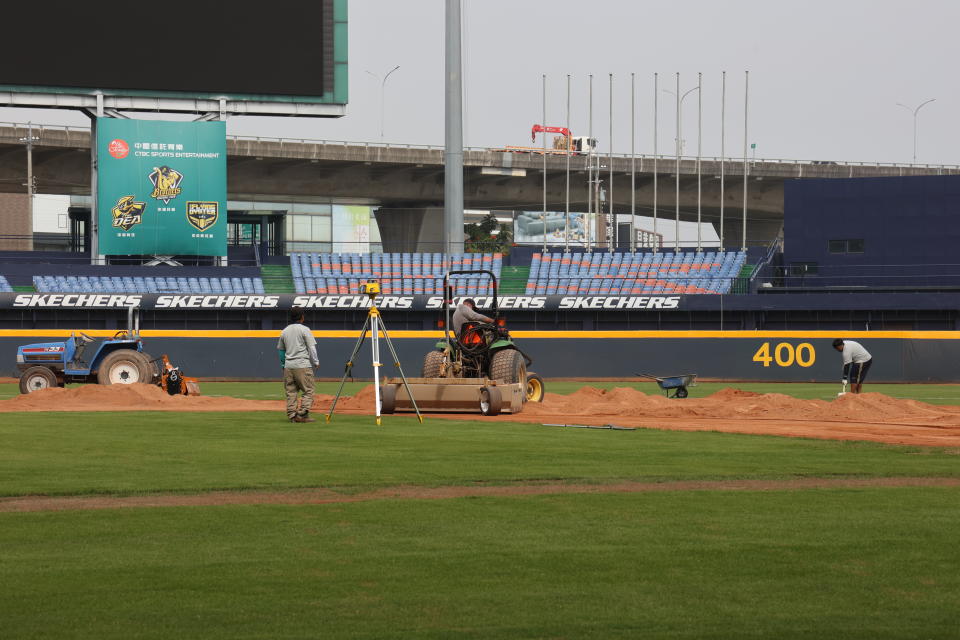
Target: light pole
(915, 124)
(679, 149)
(383, 84)
(680, 139)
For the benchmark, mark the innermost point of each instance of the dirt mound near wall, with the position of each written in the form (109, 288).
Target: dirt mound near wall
(868, 416)
(128, 397)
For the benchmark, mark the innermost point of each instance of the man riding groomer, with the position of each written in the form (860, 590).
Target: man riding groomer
(856, 362)
(466, 312)
(298, 357)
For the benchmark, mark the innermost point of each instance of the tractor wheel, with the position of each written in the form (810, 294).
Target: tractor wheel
(124, 366)
(535, 390)
(507, 366)
(154, 368)
(490, 401)
(433, 364)
(37, 378)
(388, 398)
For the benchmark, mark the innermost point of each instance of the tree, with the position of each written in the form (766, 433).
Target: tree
(488, 236)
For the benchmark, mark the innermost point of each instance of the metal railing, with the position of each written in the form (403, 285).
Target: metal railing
(484, 246)
(765, 265)
(39, 128)
(907, 276)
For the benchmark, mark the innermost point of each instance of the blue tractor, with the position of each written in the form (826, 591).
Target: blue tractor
(116, 360)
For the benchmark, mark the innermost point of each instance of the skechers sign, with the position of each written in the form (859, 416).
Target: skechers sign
(322, 302)
(161, 187)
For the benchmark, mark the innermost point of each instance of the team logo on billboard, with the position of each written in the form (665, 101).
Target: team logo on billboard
(166, 183)
(118, 148)
(203, 215)
(127, 213)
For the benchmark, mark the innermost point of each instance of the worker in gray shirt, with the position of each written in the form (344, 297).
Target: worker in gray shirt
(466, 312)
(298, 357)
(856, 362)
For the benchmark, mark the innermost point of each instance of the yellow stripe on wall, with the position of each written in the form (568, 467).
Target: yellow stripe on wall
(637, 335)
(913, 335)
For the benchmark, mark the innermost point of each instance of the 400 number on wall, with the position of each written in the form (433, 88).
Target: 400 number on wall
(784, 354)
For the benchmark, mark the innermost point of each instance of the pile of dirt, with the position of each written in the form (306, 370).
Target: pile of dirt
(146, 397)
(868, 416)
(728, 403)
(360, 402)
(128, 397)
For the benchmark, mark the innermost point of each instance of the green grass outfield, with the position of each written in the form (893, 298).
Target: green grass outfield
(707, 561)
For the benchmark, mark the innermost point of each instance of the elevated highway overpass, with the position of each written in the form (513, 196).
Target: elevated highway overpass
(409, 178)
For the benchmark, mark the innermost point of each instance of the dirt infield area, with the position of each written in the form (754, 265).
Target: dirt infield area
(870, 416)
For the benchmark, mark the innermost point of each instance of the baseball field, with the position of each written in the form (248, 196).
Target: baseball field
(123, 517)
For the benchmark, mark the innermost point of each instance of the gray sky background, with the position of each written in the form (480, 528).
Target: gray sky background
(825, 76)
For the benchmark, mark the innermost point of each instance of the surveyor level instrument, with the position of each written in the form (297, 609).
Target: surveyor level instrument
(375, 326)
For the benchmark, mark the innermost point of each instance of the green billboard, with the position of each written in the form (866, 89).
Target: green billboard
(161, 187)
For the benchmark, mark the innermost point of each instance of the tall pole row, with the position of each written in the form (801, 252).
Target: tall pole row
(608, 223)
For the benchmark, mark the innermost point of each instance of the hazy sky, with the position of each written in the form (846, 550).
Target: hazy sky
(825, 76)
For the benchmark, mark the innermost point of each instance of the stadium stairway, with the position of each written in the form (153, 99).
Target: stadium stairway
(277, 278)
(513, 280)
(742, 284)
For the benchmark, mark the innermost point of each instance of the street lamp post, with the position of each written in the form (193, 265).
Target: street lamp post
(915, 111)
(383, 84)
(679, 150)
(680, 139)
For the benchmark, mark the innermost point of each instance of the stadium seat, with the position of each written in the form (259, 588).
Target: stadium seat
(602, 273)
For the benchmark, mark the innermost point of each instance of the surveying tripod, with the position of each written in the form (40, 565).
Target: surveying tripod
(373, 324)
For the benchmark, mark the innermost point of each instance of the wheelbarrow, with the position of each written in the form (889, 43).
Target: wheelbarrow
(675, 384)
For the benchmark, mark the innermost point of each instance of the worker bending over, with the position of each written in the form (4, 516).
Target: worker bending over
(856, 362)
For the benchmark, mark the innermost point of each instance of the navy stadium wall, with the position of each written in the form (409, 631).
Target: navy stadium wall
(234, 336)
(725, 355)
(914, 336)
(903, 231)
